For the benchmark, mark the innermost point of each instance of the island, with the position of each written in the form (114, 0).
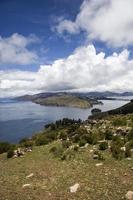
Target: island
(61, 99)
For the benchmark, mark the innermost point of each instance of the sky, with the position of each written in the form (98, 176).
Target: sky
(65, 45)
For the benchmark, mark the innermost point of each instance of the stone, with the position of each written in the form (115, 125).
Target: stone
(26, 185)
(129, 195)
(99, 164)
(30, 175)
(74, 188)
(95, 156)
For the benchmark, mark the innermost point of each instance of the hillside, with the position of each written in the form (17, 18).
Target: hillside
(126, 109)
(94, 156)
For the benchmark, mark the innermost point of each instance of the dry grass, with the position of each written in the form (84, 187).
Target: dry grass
(52, 177)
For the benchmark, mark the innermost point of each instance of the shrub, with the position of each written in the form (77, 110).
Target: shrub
(26, 142)
(82, 142)
(57, 151)
(75, 148)
(4, 147)
(119, 122)
(63, 135)
(66, 144)
(99, 154)
(108, 135)
(41, 140)
(10, 152)
(103, 146)
(68, 155)
(130, 135)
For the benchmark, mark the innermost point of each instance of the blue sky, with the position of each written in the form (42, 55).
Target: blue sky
(38, 17)
(53, 45)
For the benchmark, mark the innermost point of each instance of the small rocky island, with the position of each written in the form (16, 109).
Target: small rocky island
(60, 99)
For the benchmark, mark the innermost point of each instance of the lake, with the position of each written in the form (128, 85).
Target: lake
(22, 119)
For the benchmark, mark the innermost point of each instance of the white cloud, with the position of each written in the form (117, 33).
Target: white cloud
(110, 21)
(84, 70)
(13, 50)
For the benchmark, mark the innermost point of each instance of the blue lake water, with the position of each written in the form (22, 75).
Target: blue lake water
(23, 119)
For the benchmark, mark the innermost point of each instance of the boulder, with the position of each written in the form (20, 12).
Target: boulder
(129, 195)
(74, 188)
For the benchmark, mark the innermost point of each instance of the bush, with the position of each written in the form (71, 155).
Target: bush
(130, 135)
(10, 152)
(57, 151)
(68, 155)
(99, 154)
(4, 147)
(108, 135)
(26, 142)
(82, 142)
(66, 144)
(75, 148)
(119, 122)
(41, 140)
(103, 146)
(63, 135)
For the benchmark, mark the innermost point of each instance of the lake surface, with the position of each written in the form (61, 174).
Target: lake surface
(22, 119)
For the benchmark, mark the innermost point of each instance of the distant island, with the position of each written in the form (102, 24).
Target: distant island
(61, 99)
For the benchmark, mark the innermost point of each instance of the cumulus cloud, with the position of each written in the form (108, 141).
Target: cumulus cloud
(110, 21)
(84, 70)
(14, 49)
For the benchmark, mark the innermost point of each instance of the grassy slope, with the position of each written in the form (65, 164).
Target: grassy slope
(52, 177)
(64, 100)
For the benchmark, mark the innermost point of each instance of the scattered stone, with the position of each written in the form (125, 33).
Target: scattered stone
(30, 175)
(131, 168)
(99, 164)
(74, 188)
(91, 150)
(129, 158)
(129, 195)
(95, 156)
(26, 185)
(86, 145)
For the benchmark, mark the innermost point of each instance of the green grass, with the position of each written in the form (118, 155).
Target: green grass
(53, 177)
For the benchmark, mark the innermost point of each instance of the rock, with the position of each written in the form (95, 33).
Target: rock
(30, 175)
(26, 185)
(95, 156)
(129, 158)
(123, 148)
(86, 145)
(74, 188)
(129, 195)
(131, 168)
(99, 164)
(91, 150)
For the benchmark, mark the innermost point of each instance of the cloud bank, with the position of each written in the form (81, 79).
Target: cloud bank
(14, 49)
(110, 21)
(84, 70)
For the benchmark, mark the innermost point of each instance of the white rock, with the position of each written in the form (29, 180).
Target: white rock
(99, 164)
(86, 145)
(129, 195)
(74, 188)
(30, 175)
(26, 185)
